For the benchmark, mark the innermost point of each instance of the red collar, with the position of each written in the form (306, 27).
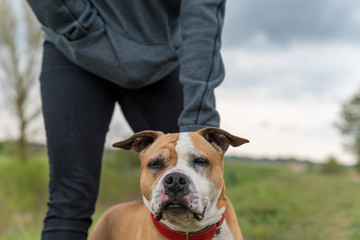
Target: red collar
(202, 235)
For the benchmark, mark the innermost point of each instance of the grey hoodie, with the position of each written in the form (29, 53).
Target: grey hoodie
(134, 43)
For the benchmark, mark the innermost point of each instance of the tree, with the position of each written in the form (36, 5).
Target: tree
(349, 125)
(331, 166)
(20, 44)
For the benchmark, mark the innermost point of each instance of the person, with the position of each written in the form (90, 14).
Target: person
(160, 60)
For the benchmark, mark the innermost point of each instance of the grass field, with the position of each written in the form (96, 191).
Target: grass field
(270, 201)
(277, 205)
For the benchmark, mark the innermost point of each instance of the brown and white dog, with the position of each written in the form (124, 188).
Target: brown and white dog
(183, 189)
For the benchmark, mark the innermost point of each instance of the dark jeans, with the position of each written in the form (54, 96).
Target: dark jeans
(77, 108)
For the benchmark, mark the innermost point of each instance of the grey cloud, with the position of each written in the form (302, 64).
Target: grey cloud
(278, 85)
(295, 72)
(286, 21)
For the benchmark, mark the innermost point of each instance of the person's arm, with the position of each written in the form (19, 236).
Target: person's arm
(201, 67)
(71, 18)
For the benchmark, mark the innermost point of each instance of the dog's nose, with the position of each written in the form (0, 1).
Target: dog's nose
(175, 182)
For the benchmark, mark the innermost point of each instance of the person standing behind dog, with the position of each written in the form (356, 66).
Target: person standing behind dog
(160, 60)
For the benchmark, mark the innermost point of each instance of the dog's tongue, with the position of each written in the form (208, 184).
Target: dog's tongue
(199, 216)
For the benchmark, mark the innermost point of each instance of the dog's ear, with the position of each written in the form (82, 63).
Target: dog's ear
(139, 141)
(220, 138)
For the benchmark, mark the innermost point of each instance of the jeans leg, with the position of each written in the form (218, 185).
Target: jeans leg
(154, 107)
(77, 108)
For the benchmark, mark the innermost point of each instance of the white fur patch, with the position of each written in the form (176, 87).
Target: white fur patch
(203, 188)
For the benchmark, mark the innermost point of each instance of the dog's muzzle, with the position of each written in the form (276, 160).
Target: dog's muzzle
(178, 199)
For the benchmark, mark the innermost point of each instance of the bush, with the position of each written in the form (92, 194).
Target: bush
(121, 160)
(332, 166)
(120, 177)
(357, 166)
(24, 185)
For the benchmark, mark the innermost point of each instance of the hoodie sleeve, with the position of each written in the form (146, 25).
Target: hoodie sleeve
(72, 19)
(201, 66)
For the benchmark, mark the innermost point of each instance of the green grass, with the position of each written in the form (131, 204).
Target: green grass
(24, 191)
(23, 195)
(279, 206)
(30, 233)
(270, 202)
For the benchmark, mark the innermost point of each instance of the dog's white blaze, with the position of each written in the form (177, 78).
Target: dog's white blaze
(202, 187)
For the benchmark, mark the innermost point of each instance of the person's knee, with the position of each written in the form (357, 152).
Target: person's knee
(72, 196)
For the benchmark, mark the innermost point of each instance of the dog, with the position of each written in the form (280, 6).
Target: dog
(183, 189)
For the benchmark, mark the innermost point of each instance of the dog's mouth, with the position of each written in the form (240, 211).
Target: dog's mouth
(178, 209)
(175, 206)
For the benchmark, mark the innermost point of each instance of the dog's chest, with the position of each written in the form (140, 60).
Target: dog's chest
(225, 233)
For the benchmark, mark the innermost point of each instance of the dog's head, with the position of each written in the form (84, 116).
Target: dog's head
(182, 173)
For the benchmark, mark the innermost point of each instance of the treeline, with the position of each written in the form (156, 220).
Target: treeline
(9, 148)
(125, 161)
(330, 166)
(265, 160)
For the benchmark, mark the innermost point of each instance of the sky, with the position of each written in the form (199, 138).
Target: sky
(289, 67)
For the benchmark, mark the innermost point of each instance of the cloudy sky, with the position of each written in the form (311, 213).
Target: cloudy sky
(289, 66)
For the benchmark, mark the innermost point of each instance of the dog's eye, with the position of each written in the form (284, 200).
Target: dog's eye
(156, 164)
(201, 161)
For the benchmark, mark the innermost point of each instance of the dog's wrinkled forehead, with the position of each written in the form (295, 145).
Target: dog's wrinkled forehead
(163, 147)
(217, 137)
(185, 146)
